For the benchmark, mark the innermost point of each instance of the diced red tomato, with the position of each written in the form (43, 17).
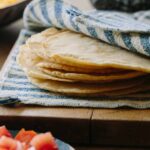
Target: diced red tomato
(26, 140)
(44, 142)
(8, 143)
(4, 132)
(21, 146)
(3, 149)
(25, 136)
(31, 148)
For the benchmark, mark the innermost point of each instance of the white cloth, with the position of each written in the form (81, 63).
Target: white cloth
(40, 14)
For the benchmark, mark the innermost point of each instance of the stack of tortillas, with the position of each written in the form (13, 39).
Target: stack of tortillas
(71, 63)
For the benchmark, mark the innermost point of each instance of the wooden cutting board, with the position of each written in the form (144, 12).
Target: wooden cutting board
(127, 127)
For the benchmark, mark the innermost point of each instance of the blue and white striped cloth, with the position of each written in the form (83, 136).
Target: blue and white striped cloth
(119, 29)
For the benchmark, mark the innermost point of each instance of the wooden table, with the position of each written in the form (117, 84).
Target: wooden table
(103, 127)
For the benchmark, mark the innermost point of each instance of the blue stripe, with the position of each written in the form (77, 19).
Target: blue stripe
(73, 13)
(110, 37)
(58, 12)
(92, 32)
(16, 69)
(8, 101)
(33, 12)
(48, 96)
(15, 76)
(23, 89)
(18, 82)
(13, 63)
(44, 96)
(127, 41)
(27, 35)
(145, 42)
(28, 90)
(13, 58)
(43, 6)
(75, 26)
(101, 21)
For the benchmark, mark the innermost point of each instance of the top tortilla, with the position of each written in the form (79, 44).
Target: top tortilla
(67, 47)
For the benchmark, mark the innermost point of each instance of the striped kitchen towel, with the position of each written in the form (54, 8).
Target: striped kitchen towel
(119, 29)
(116, 28)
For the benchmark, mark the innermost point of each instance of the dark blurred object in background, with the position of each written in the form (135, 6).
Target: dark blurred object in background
(122, 5)
(12, 13)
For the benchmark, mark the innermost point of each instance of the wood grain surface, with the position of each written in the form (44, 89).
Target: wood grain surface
(117, 127)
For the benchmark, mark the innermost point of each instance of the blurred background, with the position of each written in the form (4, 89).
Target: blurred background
(122, 5)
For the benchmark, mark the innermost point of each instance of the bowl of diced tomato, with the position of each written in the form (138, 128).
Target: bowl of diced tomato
(29, 140)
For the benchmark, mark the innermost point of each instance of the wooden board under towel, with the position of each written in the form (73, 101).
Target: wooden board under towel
(111, 127)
